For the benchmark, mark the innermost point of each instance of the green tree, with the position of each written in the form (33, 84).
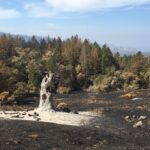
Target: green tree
(53, 61)
(34, 74)
(108, 63)
(96, 57)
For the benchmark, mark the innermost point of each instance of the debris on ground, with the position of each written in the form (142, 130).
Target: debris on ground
(142, 118)
(130, 118)
(33, 136)
(137, 120)
(127, 118)
(130, 95)
(137, 98)
(138, 124)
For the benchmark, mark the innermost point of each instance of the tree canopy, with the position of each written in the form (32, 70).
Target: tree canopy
(23, 61)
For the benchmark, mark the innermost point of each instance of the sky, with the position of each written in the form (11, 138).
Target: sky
(122, 23)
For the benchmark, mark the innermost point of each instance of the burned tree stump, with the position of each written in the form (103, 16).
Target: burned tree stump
(45, 103)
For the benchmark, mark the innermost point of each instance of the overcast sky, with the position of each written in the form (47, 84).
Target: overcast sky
(123, 23)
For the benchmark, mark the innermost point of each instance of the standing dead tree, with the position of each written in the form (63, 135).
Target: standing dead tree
(45, 103)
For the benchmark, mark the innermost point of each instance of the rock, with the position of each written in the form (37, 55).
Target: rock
(128, 118)
(140, 107)
(139, 124)
(33, 136)
(142, 118)
(137, 98)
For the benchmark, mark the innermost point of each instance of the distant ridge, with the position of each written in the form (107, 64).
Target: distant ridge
(1, 33)
(127, 50)
(147, 53)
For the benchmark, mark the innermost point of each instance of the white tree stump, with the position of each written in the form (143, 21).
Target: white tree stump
(45, 103)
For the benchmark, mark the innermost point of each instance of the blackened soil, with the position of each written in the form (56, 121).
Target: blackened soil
(110, 131)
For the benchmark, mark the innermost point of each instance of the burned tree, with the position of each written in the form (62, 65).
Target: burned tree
(45, 103)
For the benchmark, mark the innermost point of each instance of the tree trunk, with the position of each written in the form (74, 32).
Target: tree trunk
(45, 103)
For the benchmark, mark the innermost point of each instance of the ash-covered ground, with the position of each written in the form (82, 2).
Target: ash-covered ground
(113, 129)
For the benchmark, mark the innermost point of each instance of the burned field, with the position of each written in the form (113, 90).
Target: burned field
(113, 129)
